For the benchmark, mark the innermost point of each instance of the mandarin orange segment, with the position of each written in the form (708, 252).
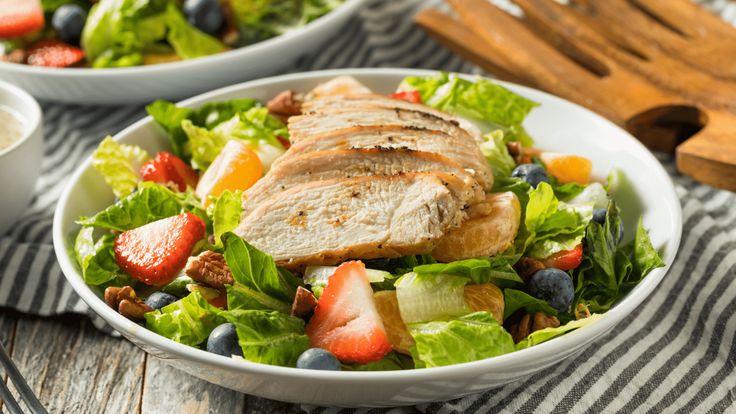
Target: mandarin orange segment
(486, 297)
(388, 308)
(568, 168)
(236, 167)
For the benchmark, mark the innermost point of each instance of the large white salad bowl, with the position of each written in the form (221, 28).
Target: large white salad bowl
(178, 80)
(556, 125)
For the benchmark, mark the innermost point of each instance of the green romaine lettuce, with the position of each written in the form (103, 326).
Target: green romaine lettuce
(150, 203)
(391, 362)
(495, 151)
(170, 117)
(497, 270)
(189, 320)
(188, 41)
(482, 101)
(49, 6)
(429, 297)
(256, 271)
(226, 214)
(465, 339)
(97, 259)
(543, 335)
(269, 337)
(119, 165)
(516, 299)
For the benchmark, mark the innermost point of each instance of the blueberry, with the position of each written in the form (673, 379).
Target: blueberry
(318, 358)
(68, 21)
(599, 215)
(531, 173)
(205, 15)
(158, 300)
(554, 286)
(224, 341)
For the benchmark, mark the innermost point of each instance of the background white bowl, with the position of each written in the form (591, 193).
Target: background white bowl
(20, 163)
(177, 80)
(556, 125)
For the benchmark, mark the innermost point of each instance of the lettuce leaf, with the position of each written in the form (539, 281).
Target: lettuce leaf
(482, 101)
(516, 299)
(465, 339)
(119, 165)
(429, 297)
(497, 270)
(49, 6)
(257, 272)
(188, 41)
(608, 270)
(391, 362)
(254, 125)
(269, 337)
(170, 117)
(226, 214)
(189, 320)
(495, 151)
(150, 203)
(97, 259)
(546, 334)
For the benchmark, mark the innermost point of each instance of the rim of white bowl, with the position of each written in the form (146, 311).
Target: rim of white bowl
(557, 345)
(30, 118)
(222, 58)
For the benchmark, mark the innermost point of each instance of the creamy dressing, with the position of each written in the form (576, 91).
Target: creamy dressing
(11, 128)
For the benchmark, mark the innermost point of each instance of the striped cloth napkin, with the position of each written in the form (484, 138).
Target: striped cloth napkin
(676, 352)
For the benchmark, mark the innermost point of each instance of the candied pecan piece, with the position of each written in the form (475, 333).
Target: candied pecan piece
(526, 267)
(209, 268)
(541, 320)
(126, 302)
(532, 323)
(304, 303)
(522, 329)
(285, 104)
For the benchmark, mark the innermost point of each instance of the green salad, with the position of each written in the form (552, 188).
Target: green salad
(176, 254)
(121, 33)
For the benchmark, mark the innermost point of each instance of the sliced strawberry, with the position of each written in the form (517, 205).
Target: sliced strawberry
(53, 53)
(156, 252)
(284, 142)
(20, 17)
(346, 321)
(167, 168)
(409, 96)
(566, 260)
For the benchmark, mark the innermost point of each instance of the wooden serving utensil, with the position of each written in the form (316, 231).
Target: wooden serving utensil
(663, 70)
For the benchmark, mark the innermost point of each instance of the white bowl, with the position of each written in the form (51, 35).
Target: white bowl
(177, 80)
(20, 163)
(556, 125)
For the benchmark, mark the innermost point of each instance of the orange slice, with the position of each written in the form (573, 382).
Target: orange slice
(236, 167)
(486, 297)
(567, 168)
(388, 308)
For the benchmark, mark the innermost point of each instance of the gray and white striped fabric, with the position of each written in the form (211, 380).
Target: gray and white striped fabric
(676, 353)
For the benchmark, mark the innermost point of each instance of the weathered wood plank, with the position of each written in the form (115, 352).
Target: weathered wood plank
(7, 331)
(168, 390)
(257, 405)
(74, 368)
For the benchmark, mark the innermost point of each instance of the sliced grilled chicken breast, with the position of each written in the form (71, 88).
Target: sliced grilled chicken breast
(465, 152)
(326, 222)
(490, 229)
(327, 165)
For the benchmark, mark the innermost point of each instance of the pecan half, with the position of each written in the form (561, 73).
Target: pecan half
(526, 267)
(532, 323)
(285, 104)
(125, 301)
(209, 268)
(304, 303)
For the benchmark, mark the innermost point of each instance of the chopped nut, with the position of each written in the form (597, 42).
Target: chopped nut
(15, 56)
(125, 301)
(304, 303)
(526, 267)
(514, 148)
(285, 104)
(209, 268)
(529, 324)
(133, 310)
(581, 311)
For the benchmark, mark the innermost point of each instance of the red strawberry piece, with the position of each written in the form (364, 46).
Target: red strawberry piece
(20, 17)
(346, 321)
(284, 142)
(167, 168)
(566, 260)
(53, 53)
(410, 96)
(156, 252)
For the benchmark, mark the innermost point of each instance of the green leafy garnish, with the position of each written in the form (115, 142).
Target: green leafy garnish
(97, 259)
(189, 320)
(188, 41)
(497, 270)
(543, 335)
(516, 299)
(269, 337)
(226, 213)
(119, 164)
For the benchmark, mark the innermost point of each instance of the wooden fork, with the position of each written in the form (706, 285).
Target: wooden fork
(664, 70)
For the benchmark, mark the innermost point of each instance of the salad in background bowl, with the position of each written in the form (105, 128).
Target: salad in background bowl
(556, 270)
(119, 51)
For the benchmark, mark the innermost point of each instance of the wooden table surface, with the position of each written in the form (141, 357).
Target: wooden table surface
(74, 368)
